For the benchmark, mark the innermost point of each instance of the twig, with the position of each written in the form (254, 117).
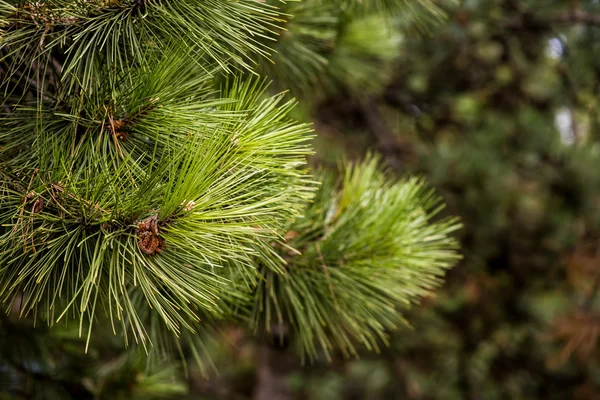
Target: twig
(72, 196)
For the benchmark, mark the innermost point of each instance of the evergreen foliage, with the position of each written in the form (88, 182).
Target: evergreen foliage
(332, 46)
(150, 186)
(364, 247)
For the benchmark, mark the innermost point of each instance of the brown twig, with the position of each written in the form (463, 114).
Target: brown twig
(61, 189)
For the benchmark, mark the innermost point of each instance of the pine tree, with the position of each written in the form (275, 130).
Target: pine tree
(153, 184)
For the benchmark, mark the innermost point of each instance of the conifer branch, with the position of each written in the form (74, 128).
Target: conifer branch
(367, 246)
(134, 192)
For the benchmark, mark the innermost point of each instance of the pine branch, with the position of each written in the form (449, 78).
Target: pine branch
(362, 249)
(197, 185)
(347, 44)
(119, 33)
(136, 196)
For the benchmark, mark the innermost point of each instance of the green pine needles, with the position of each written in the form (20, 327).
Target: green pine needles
(147, 188)
(343, 45)
(363, 248)
(94, 35)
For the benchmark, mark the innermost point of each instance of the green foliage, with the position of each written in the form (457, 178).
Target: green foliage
(215, 195)
(109, 35)
(364, 247)
(148, 192)
(97, 183)
(327, 47)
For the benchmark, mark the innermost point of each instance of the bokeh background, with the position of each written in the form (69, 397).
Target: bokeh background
(497, 106)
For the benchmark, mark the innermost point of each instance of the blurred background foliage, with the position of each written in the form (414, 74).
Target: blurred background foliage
(497, 107)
